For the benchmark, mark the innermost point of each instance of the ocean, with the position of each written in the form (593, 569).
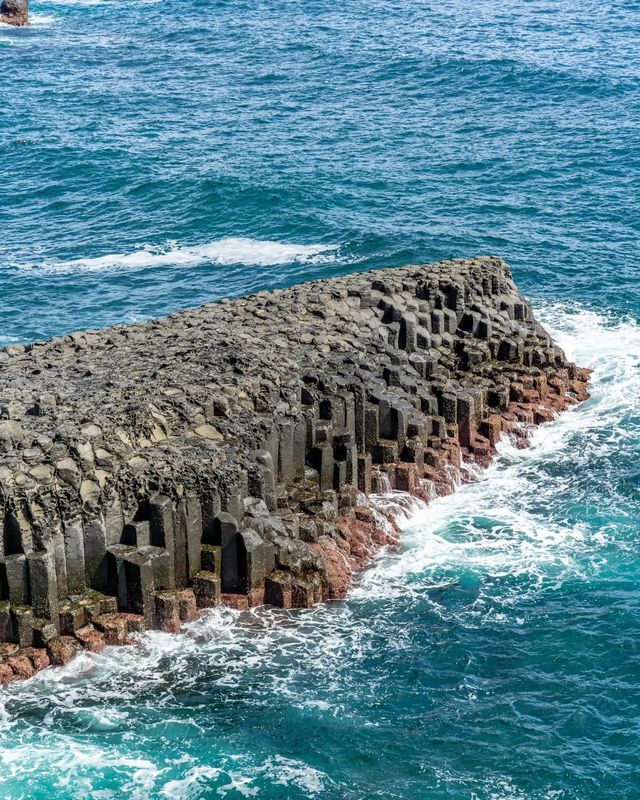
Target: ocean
(156, 157)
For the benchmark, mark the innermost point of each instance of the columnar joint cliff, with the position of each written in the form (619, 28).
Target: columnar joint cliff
(226, 453)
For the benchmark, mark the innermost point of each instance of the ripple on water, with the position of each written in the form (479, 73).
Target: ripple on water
(507, 622)
(495, 656)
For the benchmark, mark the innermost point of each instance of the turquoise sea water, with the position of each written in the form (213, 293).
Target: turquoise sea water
(154, 157)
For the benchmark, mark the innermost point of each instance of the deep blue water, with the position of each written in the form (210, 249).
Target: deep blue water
(154, 157)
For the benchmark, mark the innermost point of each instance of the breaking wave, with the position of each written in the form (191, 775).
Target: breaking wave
(517, 519)
(219, 709)
(227, 251)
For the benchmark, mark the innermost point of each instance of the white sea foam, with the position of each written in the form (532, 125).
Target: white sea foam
(42, 19)
(288, 772)
(609, 346)
(35, 20)
(103, 694)
(490, 529)
(227, 251)
(501, 525)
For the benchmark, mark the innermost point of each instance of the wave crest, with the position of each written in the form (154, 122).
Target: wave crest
(226, 251)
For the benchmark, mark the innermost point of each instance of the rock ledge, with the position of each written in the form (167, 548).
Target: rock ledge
(225, 454)
(14, 12)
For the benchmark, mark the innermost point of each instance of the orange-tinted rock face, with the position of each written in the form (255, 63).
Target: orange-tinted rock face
(226, 453)
(14, 12)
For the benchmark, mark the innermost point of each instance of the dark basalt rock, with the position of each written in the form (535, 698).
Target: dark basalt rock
(14, 12)
(224, 453)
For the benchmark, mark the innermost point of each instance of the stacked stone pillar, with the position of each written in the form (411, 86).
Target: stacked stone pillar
(223, 454)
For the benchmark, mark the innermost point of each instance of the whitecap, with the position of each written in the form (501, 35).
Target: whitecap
(182, 788)
(40, 20)
(289, 772)
(502, 525)
(226, 251)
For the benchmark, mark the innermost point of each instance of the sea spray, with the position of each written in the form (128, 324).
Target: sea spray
(460, 627)
(406, 133)
(227, 251)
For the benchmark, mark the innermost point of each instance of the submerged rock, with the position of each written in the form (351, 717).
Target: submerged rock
(14, 12)
(226, 453)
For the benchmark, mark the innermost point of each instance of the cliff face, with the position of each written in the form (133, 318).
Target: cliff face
(226, 452)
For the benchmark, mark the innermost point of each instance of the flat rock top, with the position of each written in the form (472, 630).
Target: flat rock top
(190, 386)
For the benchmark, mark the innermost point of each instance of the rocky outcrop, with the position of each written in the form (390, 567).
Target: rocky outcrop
(225, 454)
(14, 12)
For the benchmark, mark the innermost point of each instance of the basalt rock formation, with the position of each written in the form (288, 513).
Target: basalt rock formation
(225, 454)
(14, 12)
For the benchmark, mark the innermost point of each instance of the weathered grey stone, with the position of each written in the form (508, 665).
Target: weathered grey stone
(15, 577)
(257, 560)
(167, 611)
(321, 459)
(193, 533)
(220, 448)
(139, 574)
(206, 587)
(74, 554)
(95, 551)
(212, 559)
(228, 538)
(364, 473)
(43, 585)
(7, 623)
(136, 533)
(23, 625)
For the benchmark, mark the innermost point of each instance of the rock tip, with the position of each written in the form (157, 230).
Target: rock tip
(14, 12)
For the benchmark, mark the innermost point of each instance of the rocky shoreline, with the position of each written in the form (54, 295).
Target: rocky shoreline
(14, 12)
(225, 454)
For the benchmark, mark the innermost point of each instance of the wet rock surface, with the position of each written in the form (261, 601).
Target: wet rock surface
(14, 12)
(225, 454)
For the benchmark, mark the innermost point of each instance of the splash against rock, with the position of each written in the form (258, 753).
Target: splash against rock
(225, 454)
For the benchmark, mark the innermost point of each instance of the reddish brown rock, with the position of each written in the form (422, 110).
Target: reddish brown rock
(338, 572)
(206, 587)
(134, 622)
(22, 666)
(256, 597)
(302, 594)
(61, 649)
(91, 639)
(188, 609)
(168, 612)
(238, 601)
(7, 675)
(38, 657)
(113, 627)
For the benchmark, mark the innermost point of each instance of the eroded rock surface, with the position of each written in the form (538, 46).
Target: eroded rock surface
(225, 453)
(14, 12)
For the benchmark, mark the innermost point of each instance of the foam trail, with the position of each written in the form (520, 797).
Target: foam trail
(107, 693)
(507, 535)
(39, 20)
(230, 250)
(501, 526)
